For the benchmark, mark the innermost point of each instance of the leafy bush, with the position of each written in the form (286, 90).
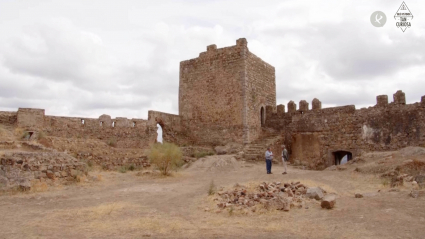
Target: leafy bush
(131, 167)
(166, 157)
(122, 169)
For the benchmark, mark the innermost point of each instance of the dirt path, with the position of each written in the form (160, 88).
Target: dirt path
(130, 206)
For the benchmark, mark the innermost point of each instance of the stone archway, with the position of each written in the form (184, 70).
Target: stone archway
(340, 154)
(160, 130)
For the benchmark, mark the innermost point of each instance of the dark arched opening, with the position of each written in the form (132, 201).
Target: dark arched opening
(342, 156)
(262, 115)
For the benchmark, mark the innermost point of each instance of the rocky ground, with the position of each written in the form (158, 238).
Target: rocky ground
(189, 204)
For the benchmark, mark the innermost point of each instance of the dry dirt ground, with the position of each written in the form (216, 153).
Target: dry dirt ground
(124, 205)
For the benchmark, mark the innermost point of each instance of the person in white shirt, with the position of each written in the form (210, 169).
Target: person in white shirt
(269, 158)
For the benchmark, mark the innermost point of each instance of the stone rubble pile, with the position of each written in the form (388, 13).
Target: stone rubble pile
(271, 196)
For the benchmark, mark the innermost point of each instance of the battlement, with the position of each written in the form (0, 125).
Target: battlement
(314, 134)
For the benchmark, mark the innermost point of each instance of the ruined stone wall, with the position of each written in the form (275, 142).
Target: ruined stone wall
(30, 119)
(173, 131)
(261, 92)
(8, 118)
(119, 132)
(21, 169)
(314, 135)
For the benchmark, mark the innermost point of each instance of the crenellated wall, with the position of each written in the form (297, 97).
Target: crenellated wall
(314, 135)
(120, 132)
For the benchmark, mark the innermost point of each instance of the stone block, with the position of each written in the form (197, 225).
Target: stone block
(303, 106)
(292, 107)
(50, 174)
(328, 201)
(316, 104)
(399, 98)
(315, 193)
(382, 100)
(280, 110)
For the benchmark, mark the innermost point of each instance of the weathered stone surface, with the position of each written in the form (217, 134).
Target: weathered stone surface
(420, 179)
(328, 201)
(315, 193)
(358, 195)
(220, 150)
(316, 104)
(417, 193)
(50, 174)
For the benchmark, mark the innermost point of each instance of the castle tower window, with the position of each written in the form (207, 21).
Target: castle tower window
(113, 124)
(134, 124)
(262, 116)
(82, 121)
(101, 123)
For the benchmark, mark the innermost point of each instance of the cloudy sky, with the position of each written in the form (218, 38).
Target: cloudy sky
(87, 58)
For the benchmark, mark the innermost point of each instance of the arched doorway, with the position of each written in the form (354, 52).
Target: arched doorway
(342, 156)
(262, 116)
(159, 133)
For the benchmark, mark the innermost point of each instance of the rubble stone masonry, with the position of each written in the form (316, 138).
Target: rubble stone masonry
(314, 136)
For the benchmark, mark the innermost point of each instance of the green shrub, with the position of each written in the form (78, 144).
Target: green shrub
(122, 169)
(105, 167)
(165, 157)
(131, 167)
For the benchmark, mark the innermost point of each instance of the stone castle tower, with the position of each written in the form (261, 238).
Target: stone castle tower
(227, 89)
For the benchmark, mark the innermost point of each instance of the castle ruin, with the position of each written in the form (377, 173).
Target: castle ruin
(229, 95)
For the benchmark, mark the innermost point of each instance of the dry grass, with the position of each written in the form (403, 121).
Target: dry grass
(39, 187)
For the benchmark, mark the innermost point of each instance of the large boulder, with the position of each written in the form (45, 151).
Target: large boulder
(315, 193)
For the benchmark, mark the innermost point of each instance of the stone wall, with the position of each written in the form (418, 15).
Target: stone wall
(119, 132)
(210, 86)
(8, 118)
(261, 92)
(30, 119)
(221, 94)
(314, 135)
(20, 169)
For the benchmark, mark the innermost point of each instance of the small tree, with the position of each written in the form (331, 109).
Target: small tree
(165, 157)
